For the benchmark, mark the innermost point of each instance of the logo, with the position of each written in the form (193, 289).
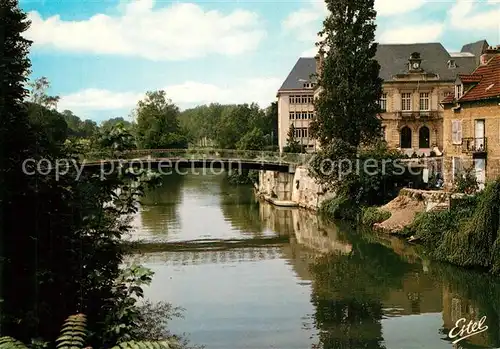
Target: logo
(462, 330)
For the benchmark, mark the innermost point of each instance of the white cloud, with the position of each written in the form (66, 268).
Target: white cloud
(306, 22)
(463, 15)
(187, 94)
(309, 53)
(179, 31)
(397, 7)
(411, 34)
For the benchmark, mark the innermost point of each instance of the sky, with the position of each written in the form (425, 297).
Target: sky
(101, 56)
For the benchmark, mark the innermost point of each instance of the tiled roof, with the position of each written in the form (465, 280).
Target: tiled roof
(469, 78)
(393, 60)
(489, 84)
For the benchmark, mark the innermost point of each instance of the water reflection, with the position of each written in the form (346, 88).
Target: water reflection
(331, 286)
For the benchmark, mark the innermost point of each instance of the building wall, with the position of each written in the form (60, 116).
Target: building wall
(284, 109)
(469, 112)
(394, 123)
(391, 120)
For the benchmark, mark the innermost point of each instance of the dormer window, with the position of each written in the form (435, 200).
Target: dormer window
(414, 62)
(452, 64)
(459, 90)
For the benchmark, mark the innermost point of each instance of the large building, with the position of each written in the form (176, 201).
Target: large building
(471, 121)
(417, 77)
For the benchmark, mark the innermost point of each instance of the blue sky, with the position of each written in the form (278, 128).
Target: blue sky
(101, 56)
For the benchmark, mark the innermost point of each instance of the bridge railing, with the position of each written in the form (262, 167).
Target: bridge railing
(201, 154)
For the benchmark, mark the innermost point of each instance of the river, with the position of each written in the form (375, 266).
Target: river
(328, 286)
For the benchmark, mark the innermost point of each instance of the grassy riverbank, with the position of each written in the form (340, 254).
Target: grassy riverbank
(466, 235)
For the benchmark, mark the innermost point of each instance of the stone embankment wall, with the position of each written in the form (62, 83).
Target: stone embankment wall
(298, 187)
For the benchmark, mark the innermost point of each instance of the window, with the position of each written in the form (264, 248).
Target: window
(301, 132)
(300, 99)
(458, 91)
(406, 101)
(424, 138)
(424, 101)
(405, 141)
(383, 102)
(456, 131)
(291, 115)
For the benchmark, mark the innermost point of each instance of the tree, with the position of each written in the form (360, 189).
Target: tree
(349, 81)
(117, 138)
(293, 145)
(108, 124)
(158, 122)
(38, 93)
(15, 147)
(253, 140)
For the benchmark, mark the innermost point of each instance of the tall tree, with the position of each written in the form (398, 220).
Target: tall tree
(38, 93)
(347, 108)
(14, 149)
(158, 122)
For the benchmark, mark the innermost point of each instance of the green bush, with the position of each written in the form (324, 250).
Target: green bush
(373, 214)
(340, 207)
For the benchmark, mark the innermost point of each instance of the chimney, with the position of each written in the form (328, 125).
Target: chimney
(489, 53)
(320, 58)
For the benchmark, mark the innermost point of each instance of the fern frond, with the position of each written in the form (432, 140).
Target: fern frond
(166, 344)
(73, 333)
(11, 343)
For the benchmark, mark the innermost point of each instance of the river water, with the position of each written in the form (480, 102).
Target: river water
(328, 286)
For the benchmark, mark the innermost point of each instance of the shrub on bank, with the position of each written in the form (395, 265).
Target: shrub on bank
(468, 234)
(340, 207)
(371, 215)
(244, 177)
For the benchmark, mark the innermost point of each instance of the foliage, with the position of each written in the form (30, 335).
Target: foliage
(349, 83)
(38, 93)
(466, 181)
(368, 178)
(117, 138)
(253, 140)
(372, 215)
(243, 177)
(340, 207)
(293, 145)
(476, 242)
(158, 123)
(243, 126)
(467, 234)
(73, 335)
(79, 129)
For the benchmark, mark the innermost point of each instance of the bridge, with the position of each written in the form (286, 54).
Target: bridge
(197, 158)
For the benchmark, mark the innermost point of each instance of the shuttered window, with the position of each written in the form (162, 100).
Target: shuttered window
(456, 131)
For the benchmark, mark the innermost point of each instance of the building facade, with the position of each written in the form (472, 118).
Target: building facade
(471, 123)
(295, 104)
(416, 78)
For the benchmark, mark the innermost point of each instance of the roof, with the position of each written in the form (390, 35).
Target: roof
(301, 72)
(469, 78)
(393, 60)
(489, 82)
(476, 48)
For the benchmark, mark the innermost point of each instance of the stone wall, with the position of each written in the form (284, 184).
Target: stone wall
(489, 111)
(297, 187)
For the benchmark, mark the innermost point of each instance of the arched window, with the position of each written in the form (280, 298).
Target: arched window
(424, 137)
(405, 141)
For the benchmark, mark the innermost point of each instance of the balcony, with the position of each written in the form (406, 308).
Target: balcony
(418, 115)
(473, 145)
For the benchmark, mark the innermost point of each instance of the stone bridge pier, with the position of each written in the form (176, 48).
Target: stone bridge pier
(277, 185)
